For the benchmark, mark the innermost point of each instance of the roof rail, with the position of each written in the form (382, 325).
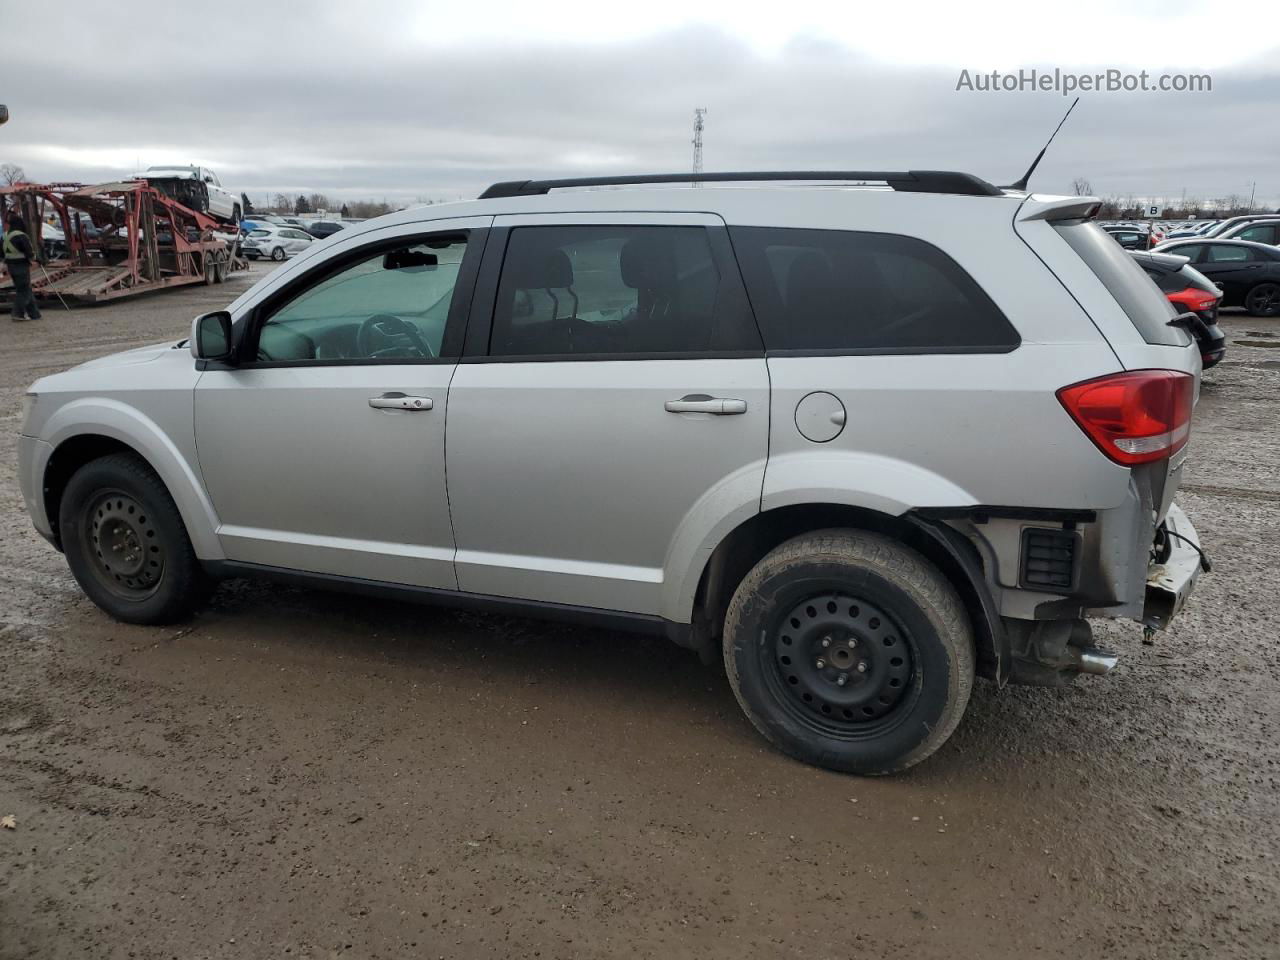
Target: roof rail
(906, 181)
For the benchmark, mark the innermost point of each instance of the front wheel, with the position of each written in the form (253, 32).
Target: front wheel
(1263, 300)
(850, 651)
(277, 254)
(126, 544)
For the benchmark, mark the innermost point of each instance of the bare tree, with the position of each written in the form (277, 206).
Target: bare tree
(318, 202)
(281, 204)
(1081, 187)
(11, 173)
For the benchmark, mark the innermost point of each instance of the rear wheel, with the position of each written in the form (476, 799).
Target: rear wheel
(850, 651)
(126, 544)
(1263, 300)
(277, 253)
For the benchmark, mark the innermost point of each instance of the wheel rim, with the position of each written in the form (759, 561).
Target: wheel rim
(842, 665)
(124, 549)
(1264, 300)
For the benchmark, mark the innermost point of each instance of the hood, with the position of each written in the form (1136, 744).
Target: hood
(136, 355)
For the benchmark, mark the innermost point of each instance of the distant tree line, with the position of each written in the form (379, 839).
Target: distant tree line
(309, 203)
(1116, 207)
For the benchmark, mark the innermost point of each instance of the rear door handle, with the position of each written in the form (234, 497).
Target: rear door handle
(399, 401)
(701, 403)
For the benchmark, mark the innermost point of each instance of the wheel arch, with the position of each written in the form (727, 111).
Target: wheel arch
(747, 543)
(111, 427)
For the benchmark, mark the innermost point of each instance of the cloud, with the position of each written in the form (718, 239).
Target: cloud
(367, 101)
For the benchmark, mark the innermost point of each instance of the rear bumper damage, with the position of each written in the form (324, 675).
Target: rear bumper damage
(1172, 577)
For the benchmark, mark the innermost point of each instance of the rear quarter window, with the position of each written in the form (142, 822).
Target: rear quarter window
(844, 291)
(1133, 290)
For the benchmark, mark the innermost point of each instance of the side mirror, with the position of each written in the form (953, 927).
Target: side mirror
(211, 336)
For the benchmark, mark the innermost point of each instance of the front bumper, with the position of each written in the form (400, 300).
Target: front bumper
(33, 456)
(1170, 583)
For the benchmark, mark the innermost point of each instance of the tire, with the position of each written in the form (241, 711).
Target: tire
(220, 267)
(1263, 300)
(210, 270)
(126, 544)
(277, 254)
(236, 215)
(877, 604)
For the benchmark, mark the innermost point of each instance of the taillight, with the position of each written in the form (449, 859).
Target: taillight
(1134, 417)
(1195, 299)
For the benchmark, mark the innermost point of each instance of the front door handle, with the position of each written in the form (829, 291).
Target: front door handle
(399, 401)
(701, 403)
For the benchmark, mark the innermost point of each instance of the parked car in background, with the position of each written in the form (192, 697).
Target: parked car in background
(1190, 292)
(1248, 273)
(1131, 238)
(278, 243)
(197, 188)
(1226, 229)
(324, 228)
(1264, 230)
(758, 421)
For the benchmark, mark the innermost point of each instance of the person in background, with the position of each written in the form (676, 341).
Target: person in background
(18, 255)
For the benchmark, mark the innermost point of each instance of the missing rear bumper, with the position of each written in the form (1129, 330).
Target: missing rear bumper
(1169, 583)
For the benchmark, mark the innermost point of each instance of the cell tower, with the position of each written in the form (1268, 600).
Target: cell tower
(698, 114)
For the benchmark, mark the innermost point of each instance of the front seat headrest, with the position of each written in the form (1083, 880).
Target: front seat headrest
(543, 271)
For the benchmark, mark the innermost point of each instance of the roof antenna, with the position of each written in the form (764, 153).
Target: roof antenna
(1022, 184)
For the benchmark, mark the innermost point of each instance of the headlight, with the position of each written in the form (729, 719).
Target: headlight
(28, 404)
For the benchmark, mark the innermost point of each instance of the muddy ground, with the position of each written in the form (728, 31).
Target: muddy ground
(297, 774)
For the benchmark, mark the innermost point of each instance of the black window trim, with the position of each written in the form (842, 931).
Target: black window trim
(484, 303)
(958, 350)
(246, 340)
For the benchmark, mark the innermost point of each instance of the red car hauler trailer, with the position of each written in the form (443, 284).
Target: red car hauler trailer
(121, 239)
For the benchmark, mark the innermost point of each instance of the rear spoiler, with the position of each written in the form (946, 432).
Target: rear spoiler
(1059, 208)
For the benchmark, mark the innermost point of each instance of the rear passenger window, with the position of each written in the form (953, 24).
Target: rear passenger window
(845, 291)
(626, 290)
(1224, 253)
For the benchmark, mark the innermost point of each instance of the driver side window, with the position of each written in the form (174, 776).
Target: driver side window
(389, 306)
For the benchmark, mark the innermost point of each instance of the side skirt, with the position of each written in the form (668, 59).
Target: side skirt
(483, 603)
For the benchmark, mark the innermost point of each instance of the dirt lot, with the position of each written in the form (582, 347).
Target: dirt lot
(296, 774)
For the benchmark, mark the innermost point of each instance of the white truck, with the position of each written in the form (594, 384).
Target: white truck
(197, 188)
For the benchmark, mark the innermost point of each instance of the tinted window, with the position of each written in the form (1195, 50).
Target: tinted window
(581, 291)
(1225, 253)
(838, 290)
(1133, 290)
(1192, 250)
(1167, 282)
(391, 305)
(260, 233)
(1258, 234)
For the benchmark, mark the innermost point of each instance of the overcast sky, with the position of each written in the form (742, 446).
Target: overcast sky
(436, 100)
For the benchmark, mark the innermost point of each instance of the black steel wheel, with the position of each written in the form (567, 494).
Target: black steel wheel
(850, 651)
(126, 544)
(125, 554)
(1263, 300)
(844, 664)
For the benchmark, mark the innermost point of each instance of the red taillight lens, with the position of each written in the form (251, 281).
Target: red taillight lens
(1134, 417)
(1194, 299)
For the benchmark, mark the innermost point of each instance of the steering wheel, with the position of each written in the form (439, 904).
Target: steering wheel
(400, 333)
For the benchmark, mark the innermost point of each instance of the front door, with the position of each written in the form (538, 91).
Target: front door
(620, 384)
(1235, 268)
(323, 449)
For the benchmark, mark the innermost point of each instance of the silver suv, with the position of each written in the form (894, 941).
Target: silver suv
(866, 441)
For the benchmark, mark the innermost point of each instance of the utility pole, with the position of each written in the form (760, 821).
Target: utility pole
(698, 114)
(1252, 190)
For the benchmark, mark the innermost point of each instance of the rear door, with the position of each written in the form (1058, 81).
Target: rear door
(615, 383)
(1236, 268)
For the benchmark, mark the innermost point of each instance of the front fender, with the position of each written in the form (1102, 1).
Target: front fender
(866, 480)
(110, 418)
